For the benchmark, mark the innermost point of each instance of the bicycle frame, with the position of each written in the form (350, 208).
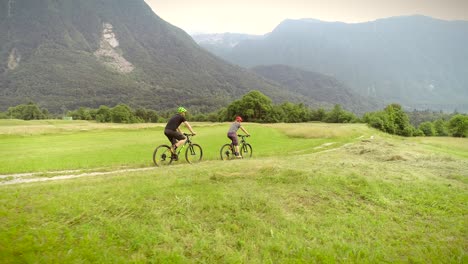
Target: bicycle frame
(242, 144)
(187, 142)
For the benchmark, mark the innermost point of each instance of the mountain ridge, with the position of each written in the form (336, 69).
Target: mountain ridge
(417, 61)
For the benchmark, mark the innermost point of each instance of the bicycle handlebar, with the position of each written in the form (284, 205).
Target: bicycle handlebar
(185, 134)
(239, 135)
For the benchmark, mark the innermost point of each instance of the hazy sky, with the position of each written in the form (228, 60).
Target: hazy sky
(262, 16)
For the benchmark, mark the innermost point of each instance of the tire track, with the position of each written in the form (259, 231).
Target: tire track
(19, 178)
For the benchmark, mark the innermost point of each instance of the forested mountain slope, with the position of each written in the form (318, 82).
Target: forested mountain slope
(63, 54)
(326, 90)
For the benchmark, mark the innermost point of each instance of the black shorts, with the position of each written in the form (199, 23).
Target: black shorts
(173, 135)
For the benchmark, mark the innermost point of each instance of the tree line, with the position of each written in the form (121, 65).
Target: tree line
(394, 120)
(257, 107)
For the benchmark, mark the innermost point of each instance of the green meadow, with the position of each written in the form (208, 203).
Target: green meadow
(312, 193)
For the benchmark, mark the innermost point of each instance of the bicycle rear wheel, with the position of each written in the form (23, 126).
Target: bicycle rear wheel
(162, 155)
(246, 151)
(193, 153)
(226, 152)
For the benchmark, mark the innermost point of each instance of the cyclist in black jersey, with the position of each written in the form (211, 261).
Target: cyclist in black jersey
(172, 130)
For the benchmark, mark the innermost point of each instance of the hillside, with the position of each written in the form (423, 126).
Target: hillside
(416, 61)
(64, 54)
(326, 90)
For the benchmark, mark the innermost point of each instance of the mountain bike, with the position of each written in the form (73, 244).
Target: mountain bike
(162, 155)
(227, 151)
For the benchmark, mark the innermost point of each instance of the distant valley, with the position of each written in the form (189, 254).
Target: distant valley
(417, 61)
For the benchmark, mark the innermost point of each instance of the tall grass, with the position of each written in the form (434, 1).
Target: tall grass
(354, 204)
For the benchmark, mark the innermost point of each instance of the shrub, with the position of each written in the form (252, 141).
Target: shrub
(418, 132)
(338, 115)
(149, 116)
(28, 111)
(441, 128)
(254, 106)
(123, 114)
(428, 129)
(458, 125)
(81, 114)
(318, 115)
(392, 120)
(103, 114)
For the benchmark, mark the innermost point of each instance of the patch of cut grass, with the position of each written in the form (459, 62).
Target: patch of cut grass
(448, 145)
(323, 130)
(40, 127)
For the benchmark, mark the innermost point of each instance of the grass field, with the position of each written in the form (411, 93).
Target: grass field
(313, 193)
(42, 146)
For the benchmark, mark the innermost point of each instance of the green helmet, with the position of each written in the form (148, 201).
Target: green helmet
(181, 110)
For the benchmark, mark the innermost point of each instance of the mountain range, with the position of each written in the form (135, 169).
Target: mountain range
(65, 54)
(417, 61)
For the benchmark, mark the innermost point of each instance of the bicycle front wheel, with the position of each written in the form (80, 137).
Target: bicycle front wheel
(162, 155)
(226, 152)
(246, 151)
(194, 153)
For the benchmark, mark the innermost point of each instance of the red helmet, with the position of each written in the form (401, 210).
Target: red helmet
(238, 118)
